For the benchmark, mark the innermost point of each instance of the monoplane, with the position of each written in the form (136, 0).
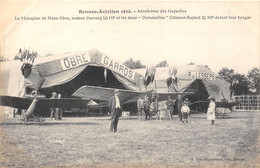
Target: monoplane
(223, 107)
(80, 99)
(34, 104)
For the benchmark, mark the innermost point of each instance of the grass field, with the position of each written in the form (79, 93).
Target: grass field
(86, 142)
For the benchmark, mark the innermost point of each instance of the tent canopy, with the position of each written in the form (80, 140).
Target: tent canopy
(70, 71)
(67, 67)
(197, 78)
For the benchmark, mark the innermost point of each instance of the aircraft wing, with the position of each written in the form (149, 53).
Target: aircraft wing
(15, 102)
(24, 103)
(126, 96)
(174, 95)
(63, 102)
(219, 104)
(226, 104)
(104, 94)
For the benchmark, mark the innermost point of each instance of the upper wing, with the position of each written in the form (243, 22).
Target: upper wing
(24, 103)
(126, 96)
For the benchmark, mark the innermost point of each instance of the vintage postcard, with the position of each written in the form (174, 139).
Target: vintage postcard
(129, 84)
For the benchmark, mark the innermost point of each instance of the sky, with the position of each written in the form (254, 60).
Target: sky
(217, 43)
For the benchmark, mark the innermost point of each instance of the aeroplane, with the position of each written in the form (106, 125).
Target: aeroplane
(34, 102)
(126, 96)
(80, 98)
(223, 107)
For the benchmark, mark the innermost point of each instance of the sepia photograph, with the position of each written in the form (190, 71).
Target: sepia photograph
(129, 84)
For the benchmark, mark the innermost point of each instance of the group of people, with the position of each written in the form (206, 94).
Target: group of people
(182, 107)
(184, 110)
(56, 113)
(143, 105)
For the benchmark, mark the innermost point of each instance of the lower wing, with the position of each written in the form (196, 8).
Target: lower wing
(24, 103)
(15, 102)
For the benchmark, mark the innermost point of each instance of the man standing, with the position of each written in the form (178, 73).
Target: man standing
(170, 104)
(147, 107)
(140, 107)
(115, 109)
(60, 110)
(53, 110)
(187, 101)
(179, 105)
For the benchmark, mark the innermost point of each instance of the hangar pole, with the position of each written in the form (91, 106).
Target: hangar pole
(156, 99)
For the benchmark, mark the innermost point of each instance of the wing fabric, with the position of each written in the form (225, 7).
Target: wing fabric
(126, 96)
(174, 95)
(104, 94)
(226, 104)
(24, 103)
(15, 102)
(62, 102)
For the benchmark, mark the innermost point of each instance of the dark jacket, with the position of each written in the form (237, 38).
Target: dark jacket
(179, 104)
(112, 106)
(170, 104)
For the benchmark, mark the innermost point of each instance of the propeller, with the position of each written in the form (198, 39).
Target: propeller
(39, 84)
(32, 107)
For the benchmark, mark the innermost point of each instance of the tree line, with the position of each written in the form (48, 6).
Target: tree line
(240, 83)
